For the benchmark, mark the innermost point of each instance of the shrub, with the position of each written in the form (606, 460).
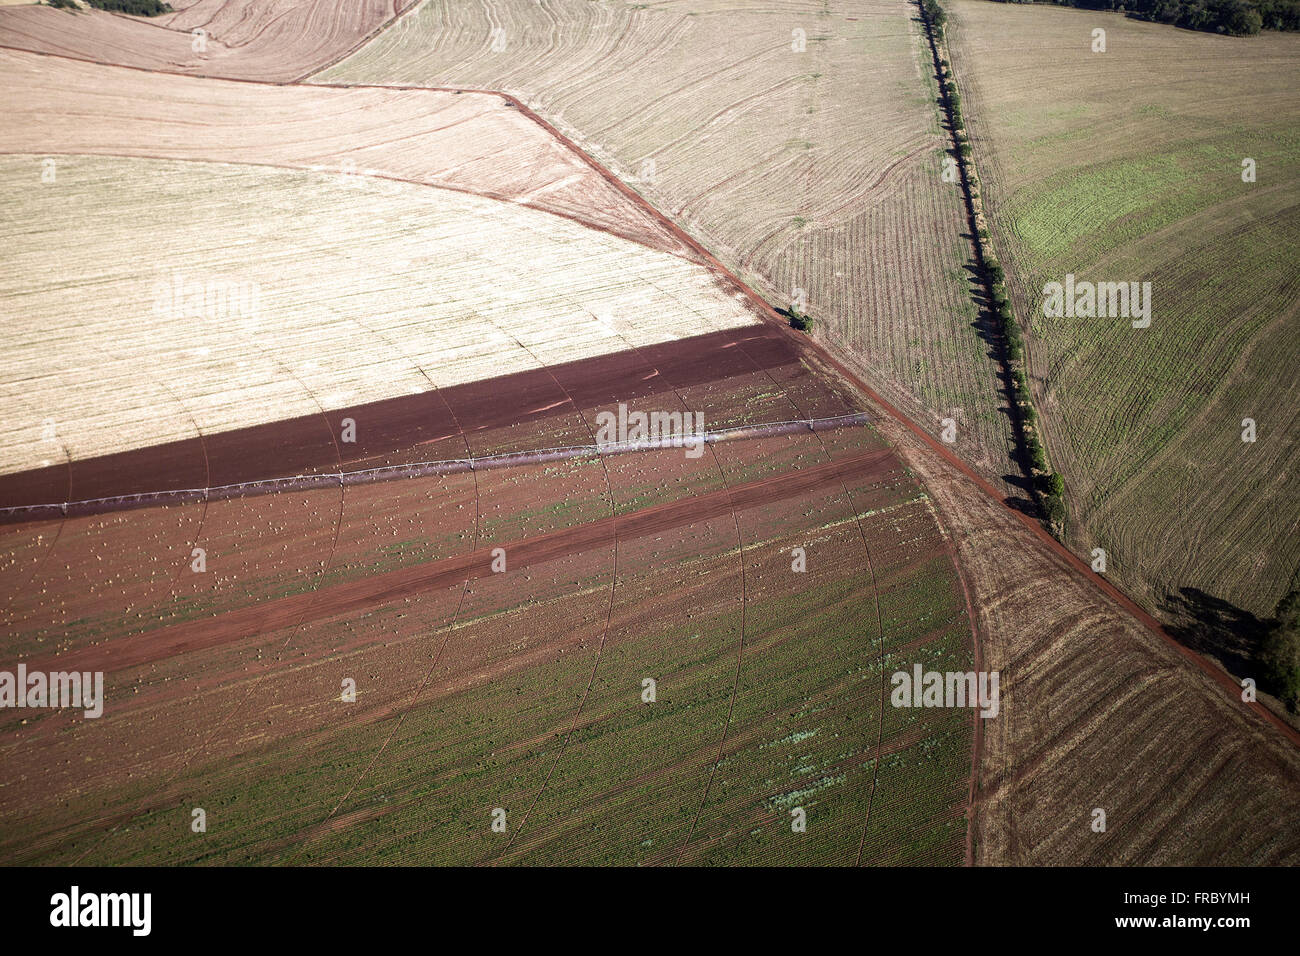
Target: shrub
(139, 8)
(1054, 511)
(1052, 485)
(798, 320)
(1281, 651)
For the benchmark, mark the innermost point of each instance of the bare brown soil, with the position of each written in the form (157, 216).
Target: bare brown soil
(351, 598)
(462, 420)
(288, 692)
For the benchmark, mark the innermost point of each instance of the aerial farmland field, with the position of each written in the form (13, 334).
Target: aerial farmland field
(275, 329)
(210, 313)
(259, 41)
(589, 434)
(1119, 166)
(815, 174)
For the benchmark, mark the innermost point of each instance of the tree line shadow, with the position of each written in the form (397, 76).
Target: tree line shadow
(1219, 629)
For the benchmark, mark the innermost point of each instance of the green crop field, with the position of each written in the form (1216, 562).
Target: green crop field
(1126, 165)
(746, 728)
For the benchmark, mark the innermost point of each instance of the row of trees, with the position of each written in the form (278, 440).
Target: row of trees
(1233, 17)
(138, 8)
(1281, 651)
(1048, 485)
(934, 13)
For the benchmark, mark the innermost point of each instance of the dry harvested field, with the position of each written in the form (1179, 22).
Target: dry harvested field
(816, 170)
(246, 39)
(1127, 166)
(289, 294)
(474, 143)
(1099, 712)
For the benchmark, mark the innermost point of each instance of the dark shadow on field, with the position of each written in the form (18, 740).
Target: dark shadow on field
(504, 413)
(1217, 628)
(986, 322)
(802, 323)
(1026, 504)
(989, 330)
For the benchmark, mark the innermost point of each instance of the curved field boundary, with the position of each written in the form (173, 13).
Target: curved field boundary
(769, 313)
(628, 234)
(814, 425)
(420, 469)
(292, 44)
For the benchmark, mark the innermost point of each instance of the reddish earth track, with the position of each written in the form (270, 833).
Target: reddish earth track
(977, 745)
